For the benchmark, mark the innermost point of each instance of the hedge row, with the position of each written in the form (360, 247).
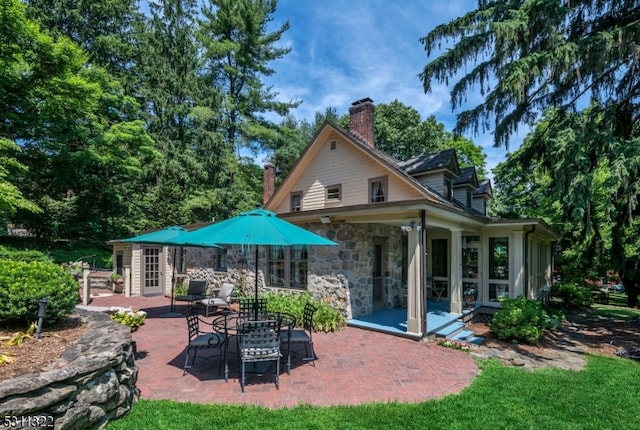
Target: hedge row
(24, 283)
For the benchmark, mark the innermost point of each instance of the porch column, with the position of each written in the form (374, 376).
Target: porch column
(415, 296)
(127, 281)
(516, 263)
(456, 271)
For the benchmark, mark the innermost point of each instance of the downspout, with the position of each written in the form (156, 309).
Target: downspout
(423, 270)
(526, 260)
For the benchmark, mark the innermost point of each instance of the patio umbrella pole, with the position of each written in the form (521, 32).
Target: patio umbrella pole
(255, 304)
(172, 313)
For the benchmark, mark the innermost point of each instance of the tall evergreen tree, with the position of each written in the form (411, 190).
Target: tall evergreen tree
(167, 65)
(526, 56)
(238, 48)
(105, 29)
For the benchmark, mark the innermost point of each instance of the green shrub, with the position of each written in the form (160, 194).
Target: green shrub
(94, 257)
(94, 253)
(23, 284)
(574, 296)
(325, 319)
(22, 255)
(522, 319)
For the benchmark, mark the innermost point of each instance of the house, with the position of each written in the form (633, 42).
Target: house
(418, 225)
(407, 231)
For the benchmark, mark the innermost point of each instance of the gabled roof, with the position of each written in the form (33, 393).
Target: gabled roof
(467, 177)
(444, 160)
(484, 187)
(380, 156)
(425, 163)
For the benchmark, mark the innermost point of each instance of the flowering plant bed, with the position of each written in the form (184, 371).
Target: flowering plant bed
(128, 316)
(453, 344)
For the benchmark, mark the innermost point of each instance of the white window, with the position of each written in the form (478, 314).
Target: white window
(296, 201)
(378, 190)
(334, 192)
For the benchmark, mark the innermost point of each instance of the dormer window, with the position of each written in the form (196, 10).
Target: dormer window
(378, 190)
(296, 201)
(468, 199)
(448, 189)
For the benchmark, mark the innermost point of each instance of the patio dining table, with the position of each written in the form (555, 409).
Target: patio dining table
(233, 326)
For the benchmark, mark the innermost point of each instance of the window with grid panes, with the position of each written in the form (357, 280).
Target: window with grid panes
(334, 192)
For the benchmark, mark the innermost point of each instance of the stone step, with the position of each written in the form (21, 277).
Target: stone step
(450, 330)
(461, 335)
(475, 340)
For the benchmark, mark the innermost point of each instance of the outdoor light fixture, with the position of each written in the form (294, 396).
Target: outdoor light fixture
(412, 225)
(42, 310)
(325, 219)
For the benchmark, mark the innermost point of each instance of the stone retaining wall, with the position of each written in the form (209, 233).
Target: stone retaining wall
(93, 382)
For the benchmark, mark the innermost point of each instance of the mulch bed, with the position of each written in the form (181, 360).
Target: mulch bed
(35, 354)
(582, 330)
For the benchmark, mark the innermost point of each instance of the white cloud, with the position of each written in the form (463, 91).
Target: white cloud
(344, 51)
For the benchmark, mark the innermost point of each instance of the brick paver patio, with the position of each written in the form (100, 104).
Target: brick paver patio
(354, 366)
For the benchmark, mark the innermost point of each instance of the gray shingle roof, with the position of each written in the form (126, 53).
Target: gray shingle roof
(427, 162)
(467, 175)
(484, 187)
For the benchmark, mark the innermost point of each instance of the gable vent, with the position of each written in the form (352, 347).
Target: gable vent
(333, 145)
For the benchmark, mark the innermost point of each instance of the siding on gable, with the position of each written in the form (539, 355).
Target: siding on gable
(460, 194)
(351, 168)
(434, 181)
(479, 204)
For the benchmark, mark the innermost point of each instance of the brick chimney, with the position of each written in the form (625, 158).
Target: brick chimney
(269, 179)
(362, 116)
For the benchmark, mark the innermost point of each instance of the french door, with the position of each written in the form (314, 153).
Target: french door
(152, 274)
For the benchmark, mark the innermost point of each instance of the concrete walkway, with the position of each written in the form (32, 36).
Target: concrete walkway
(354, 366)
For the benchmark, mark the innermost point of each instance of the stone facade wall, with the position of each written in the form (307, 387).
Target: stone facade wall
(353, 260)
(93, 383)
(338, 276)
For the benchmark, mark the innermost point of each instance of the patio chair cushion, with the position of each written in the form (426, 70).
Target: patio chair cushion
(205, 340)
(197, 291)
(223, 299)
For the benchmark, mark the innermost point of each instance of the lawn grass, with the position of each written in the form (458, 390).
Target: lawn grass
(617, 308)
(602, 396)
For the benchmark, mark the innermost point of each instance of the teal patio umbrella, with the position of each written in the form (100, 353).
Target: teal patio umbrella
(256, 227)
(166, 237)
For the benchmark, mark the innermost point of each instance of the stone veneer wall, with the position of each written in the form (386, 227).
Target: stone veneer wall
(93, 382)
(338, 276)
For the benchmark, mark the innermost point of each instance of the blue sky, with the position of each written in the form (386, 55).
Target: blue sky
(343, 51)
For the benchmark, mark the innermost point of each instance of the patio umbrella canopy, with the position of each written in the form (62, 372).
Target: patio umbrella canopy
(167, 236)
(256, 227)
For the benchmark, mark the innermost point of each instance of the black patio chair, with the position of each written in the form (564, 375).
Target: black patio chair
(249, 309)
(260, 344)
(198, 340)
(252, 309)
(197, 291)
(287, 324)
(304, 335)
